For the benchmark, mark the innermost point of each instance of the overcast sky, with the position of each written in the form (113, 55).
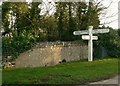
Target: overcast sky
(112, 10)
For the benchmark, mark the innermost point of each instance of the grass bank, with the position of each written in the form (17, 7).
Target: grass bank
(79, 72)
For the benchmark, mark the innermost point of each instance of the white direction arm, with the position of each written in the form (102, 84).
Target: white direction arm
(87, 37)
(100, 31)
(80, 32)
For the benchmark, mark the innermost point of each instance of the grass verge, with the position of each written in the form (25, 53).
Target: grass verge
(78, 72)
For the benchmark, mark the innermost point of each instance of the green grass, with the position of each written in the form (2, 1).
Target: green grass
(79, 72)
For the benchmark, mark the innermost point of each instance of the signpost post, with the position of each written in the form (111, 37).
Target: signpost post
(90, 38)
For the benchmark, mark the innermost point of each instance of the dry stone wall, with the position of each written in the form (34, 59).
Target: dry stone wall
(48, 54)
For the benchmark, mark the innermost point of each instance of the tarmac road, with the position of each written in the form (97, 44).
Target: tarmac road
(114, 80)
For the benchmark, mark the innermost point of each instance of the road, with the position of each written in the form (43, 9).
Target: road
(114, 80)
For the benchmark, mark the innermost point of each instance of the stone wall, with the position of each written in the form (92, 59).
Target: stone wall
(48, 54)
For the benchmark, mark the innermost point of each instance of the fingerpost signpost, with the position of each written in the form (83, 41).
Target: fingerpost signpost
(90, 38)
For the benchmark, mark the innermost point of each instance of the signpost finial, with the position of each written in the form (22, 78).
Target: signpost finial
(90, 27)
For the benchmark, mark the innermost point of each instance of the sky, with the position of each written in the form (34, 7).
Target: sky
(112, 13)
(111, 17)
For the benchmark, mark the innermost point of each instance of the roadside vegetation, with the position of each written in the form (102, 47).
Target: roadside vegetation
(77, 72)
(23, 26)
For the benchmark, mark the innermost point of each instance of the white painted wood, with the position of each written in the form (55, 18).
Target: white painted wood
(87, 37)
(100, 31)
(93, 31)
(90, 38)
(90, 45)
(80, 32)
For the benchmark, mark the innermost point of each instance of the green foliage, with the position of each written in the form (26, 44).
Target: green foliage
(111, 41)
(69, 16)
(17, 44)
(73, 16)
(119, 32)
(67, 73)
(24, 27)
(27, 26)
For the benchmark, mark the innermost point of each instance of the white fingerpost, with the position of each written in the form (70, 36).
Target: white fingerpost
(90, 45)
(90, 38)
